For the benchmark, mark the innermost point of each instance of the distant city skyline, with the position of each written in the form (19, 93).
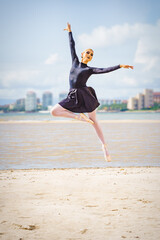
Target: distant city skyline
(47, 98)
(31, 103)
(35, 52)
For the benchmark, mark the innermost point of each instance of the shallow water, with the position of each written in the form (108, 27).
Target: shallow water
(100, 116)
(75, 144)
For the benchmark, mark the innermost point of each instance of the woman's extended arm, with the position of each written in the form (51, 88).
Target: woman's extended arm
(109, 69)
(104, 70)
(71, 42)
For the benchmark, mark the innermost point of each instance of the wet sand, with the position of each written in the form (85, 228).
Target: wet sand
(87, 203)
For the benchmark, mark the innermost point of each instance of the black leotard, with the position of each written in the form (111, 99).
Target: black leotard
(81, 98)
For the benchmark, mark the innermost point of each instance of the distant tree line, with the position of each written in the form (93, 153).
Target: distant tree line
(123, 107)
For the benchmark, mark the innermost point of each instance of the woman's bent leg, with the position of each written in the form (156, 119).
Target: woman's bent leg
(59, 111)
(99, 132)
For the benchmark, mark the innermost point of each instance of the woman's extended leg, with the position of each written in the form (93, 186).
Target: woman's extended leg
(99, 132)
(59, 111)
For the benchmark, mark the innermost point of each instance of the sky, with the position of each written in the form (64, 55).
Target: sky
(35, 53)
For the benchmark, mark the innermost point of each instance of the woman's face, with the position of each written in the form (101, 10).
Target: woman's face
(87, 55)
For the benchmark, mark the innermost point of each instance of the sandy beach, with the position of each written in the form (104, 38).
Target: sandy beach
(87, 203)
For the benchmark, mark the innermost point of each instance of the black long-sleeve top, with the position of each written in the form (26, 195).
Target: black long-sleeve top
(80, 72)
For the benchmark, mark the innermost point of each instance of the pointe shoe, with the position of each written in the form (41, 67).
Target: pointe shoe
(83, 117)
(107, 157)
(86, 118)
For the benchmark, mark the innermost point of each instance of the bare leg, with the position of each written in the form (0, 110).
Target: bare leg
(59, 111)
(99, 132)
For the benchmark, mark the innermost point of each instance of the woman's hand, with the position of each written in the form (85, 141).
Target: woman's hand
(68, 27)
(126, 66)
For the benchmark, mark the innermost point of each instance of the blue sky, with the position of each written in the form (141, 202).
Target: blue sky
(34, 49)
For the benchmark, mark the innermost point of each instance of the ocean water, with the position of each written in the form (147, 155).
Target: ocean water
(101, 116)
(25, 143)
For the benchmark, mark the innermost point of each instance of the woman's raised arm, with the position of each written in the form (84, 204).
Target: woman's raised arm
(109, 69)
(72, 43)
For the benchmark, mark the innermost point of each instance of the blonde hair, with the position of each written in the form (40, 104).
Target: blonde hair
(88, 49)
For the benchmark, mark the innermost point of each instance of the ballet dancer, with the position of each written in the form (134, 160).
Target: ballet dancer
(81, 98)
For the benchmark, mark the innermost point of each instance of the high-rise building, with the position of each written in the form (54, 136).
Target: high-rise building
(38, 101)
(30, 102)
(156, 97)
(20, 104)
(141, 100)
(132, 103)
(47, 100)
(148, 98)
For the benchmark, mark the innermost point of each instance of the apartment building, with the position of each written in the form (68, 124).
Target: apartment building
(30, 102)
(142, 100)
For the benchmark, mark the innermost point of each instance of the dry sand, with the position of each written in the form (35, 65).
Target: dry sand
(73, 204)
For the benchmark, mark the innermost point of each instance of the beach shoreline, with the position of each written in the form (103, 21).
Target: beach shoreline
(109, 203)
(75, 168)
(75, 121)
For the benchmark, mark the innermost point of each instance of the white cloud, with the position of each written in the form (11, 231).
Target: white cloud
(118, 34)
(148, 48)
(15, 83)
(147, 37)
(17, 78)
(102, 36)
(52, 59)
(128, 81)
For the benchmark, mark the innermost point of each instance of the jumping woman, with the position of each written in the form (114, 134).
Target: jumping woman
(81, 98)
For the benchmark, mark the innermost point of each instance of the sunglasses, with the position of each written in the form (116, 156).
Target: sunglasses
(89, 53)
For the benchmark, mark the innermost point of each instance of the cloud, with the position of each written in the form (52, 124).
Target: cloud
(52, 59)
(102, 36)
(148, 48)
(146, 37)
(15, 83)
(18, 79)
(118, 34)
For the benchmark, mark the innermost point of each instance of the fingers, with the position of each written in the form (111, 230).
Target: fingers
(128, 66)
(68, 27)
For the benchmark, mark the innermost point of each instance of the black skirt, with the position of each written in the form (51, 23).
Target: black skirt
(80, 100)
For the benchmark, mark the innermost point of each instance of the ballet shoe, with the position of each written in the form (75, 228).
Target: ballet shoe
(83, 117)
(86, 118)
(107, 157)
